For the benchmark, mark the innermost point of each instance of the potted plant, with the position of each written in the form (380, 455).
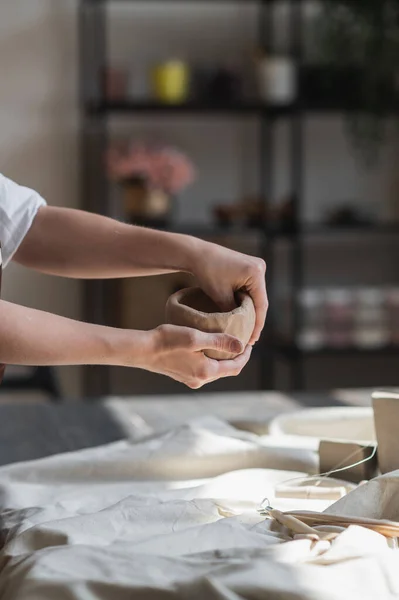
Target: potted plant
(150, 176)
(362, 36)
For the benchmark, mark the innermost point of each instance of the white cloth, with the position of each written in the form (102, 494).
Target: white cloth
(18, 208)
(124, 521)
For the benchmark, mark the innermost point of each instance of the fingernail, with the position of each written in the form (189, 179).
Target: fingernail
(236, 347)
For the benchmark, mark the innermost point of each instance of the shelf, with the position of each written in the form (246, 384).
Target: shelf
(292, 351)
(348, 230)
(100, 108)
(213, 230)
(210, 2)
(228, 108)
(206, 230)
(323, 90)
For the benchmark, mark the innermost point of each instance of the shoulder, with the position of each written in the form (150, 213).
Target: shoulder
(18, 208)
(15, 197)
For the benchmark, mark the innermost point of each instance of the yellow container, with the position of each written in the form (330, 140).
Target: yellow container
(171, 82)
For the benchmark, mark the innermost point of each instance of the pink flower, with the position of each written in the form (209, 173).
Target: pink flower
(163, 167)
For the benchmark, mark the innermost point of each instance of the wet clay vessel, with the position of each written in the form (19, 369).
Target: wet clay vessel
(191, 307)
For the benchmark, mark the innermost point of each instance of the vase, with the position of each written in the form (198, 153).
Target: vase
(144, 204)
(277, 80)
(116, 83)
(171, 82)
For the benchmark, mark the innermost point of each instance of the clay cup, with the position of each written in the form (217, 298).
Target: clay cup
(191, 307)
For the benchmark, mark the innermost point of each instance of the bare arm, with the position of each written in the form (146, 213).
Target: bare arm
(32, 337)
(74, 243)
(77, 244)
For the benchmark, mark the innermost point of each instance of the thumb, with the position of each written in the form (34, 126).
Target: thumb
(221, 342)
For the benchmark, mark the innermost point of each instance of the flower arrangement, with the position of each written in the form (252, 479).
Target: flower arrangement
(160, 167)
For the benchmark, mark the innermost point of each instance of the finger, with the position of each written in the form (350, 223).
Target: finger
(212, 370)
(259, 296)
(232, 368)
(224, 299)
(218, 341)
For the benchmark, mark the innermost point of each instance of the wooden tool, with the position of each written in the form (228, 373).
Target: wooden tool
(389, 529)
(297, 527)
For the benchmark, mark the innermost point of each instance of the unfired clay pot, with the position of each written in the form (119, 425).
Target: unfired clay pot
(191, 307)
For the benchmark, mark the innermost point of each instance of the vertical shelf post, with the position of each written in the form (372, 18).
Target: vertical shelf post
(297, 179)
(92, 58)
(266, 184)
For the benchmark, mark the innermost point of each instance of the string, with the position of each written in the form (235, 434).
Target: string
(322, 476)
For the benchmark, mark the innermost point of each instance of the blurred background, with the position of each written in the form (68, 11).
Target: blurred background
(265, 126)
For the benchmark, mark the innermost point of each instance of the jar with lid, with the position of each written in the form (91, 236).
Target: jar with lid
(371, 326)
(311, 303)
(339, 318)
(277, 79)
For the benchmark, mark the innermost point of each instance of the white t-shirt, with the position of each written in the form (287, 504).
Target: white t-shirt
(18, 208)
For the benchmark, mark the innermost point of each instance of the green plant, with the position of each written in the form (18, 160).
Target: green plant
(364, 35)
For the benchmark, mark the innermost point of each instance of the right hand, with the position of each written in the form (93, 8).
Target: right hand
(178, 352)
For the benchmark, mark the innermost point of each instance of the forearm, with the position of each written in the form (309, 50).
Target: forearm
(77, 244)
(32, 337)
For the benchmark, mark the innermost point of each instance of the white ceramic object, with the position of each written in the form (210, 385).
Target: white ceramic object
(386, 414)
(277, 80)
(312, 336)
(371, 323)
(354, 424)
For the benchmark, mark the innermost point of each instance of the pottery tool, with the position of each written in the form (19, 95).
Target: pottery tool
(303, 522)
(389, 529)
(295, 526)
(310, 492)
(359, 460)
(311, 486)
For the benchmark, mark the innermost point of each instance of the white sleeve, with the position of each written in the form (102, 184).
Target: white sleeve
(18, 208)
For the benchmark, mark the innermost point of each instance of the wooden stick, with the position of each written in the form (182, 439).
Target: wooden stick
(291, 522)
(384, 527)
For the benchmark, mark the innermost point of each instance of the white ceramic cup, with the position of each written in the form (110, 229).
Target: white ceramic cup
(277, 80)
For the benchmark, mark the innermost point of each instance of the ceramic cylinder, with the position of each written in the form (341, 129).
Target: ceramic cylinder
(277, 80)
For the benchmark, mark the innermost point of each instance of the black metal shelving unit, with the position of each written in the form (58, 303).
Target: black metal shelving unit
(95, 114)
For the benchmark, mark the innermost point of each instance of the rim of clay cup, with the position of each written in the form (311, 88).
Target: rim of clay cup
(243, 296)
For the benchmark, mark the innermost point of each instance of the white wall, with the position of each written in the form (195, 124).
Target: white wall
(38, 119)
(38, 125)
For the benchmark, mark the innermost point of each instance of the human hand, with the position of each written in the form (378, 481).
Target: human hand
(178, 352)
(222, 272)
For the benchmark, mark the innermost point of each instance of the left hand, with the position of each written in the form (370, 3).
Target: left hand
(178, 352)
(222, 272)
